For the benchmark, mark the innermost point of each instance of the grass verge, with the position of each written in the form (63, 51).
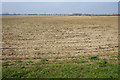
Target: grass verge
(61, 69)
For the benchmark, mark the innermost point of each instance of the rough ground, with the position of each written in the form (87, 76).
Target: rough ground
(59, 37)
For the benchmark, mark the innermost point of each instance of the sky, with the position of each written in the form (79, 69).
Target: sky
(59, 0)
(60, 7)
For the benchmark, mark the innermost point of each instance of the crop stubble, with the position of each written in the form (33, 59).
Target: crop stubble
(59, 37)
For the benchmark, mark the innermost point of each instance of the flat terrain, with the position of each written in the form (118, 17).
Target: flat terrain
(59, 37)
(37, 46)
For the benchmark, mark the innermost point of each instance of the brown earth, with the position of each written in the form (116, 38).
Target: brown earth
(59, 37)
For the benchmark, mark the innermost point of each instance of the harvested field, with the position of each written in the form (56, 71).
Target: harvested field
(58, 37)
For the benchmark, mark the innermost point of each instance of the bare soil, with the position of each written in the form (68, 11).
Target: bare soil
(59, 37)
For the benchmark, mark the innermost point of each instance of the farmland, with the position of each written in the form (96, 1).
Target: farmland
(71, 43)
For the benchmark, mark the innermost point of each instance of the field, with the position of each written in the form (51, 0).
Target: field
(68, 45)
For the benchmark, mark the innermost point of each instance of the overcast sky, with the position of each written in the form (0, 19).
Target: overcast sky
(60, 7)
